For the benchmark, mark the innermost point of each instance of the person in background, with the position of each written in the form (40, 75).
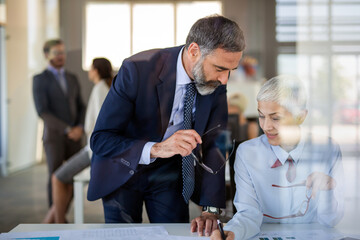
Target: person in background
(245, 130)
(100, 74)
(237, 103)
(59, 104)
(163, 104)
(285, 175)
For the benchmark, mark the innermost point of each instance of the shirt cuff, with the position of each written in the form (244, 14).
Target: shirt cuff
(145, 155)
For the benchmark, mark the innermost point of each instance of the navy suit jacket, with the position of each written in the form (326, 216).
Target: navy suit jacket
(137, 110)
(58, 110)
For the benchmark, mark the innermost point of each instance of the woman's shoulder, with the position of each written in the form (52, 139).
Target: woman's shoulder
(100, 87)
(260, 141)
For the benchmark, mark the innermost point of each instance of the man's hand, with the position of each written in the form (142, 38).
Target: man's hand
(181, 142)
(75, 133)
(217, 236)
(318, 182)
(207, 223)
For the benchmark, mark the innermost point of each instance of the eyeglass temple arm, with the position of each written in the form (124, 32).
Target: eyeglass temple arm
(290, 216)
(213, 128)
(294, 185)
(201, 164)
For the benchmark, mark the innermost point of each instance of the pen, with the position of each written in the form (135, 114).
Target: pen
(221, 230)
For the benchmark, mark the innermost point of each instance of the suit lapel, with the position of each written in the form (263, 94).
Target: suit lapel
(166, 88)
(52, 78)
(203, 104)
(70, 88)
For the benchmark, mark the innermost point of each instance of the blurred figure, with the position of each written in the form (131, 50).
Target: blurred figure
(249, 65)
(58, 102)
(100, 74)
(284, 176)
(247, 81)
(237, 104)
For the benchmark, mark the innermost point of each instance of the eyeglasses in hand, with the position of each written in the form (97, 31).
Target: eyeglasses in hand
(304, 206)
(203, 165)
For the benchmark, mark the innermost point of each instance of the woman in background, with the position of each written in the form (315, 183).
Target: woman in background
(237, 103)
(100, 74)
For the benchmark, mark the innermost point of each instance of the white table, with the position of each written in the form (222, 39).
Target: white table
(80, 180)
(173, 229)
(184, 229)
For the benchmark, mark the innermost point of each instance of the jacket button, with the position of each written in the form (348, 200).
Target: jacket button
(131, 172)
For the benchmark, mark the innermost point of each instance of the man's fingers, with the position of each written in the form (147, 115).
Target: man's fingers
(200, 223)
(193, 225)
(188, 136)
(208, 227)
(214, 225)
(194, 134)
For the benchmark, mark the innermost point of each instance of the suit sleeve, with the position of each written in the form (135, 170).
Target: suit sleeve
(42, 106)
(109, 139)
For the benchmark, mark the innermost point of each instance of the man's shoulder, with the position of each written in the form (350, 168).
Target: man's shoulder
(42, 77)
(150, 55)
(42, 74)
(70, 74)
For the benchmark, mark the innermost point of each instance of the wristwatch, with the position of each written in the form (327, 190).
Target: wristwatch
(213, 210)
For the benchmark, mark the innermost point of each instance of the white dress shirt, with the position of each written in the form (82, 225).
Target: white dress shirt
(177, 112)
(256, 196)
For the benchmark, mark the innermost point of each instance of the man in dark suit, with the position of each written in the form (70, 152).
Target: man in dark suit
(58, 102)
(140, 141)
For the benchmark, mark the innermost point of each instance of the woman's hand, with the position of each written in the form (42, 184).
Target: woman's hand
(217, 236)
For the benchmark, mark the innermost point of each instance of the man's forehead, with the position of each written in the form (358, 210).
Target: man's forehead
(224, 59)
(57, 46)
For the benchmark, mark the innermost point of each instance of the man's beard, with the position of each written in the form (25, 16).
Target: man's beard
(204, 87)
(57, 64)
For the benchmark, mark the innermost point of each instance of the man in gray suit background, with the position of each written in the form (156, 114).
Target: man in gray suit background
(58, 102)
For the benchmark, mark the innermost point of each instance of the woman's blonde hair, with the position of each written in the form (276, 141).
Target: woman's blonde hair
(287, 91)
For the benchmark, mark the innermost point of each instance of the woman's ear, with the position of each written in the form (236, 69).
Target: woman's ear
(301, 118)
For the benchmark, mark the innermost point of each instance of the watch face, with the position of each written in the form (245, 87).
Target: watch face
(213, 209)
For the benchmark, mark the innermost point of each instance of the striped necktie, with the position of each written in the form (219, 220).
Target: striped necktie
(62, 82)
(188, 171)
(291, 172)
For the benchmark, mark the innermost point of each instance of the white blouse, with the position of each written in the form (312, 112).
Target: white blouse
(97, 97)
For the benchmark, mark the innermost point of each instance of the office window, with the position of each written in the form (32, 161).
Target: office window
(150, 28)
(107, 32)
(319, 41)
(188, 12)
(118, 30)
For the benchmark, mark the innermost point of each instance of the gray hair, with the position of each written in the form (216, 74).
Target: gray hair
(287, 91)
(214, 32)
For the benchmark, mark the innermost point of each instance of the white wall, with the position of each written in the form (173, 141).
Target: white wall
(26, 32)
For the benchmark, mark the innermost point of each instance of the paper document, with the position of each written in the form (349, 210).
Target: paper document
(91, 234)
(297, 235)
